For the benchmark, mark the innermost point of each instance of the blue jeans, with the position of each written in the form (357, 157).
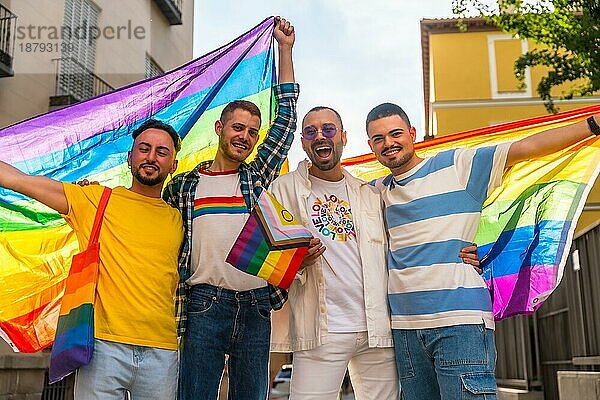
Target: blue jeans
(449, 363)
(219, 322)
(117, 369)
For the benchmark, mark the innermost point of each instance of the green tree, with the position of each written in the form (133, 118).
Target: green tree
(569, 31)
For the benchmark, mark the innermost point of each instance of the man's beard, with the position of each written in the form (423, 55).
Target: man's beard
(397, 163)
(146, 180)
(224, 146)
(329, 164)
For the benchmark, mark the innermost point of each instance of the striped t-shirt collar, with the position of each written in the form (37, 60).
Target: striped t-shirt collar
(411, 171)
(217, 173)
(391, 181)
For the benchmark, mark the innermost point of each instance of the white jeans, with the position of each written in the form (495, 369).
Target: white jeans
(318, 373)
(120, 371)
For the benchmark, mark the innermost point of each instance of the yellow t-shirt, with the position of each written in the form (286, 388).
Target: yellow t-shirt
(139, 246)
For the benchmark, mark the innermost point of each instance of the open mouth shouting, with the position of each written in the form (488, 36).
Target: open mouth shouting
(323, 150)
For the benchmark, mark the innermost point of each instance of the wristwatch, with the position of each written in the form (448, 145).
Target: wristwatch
(593, 126)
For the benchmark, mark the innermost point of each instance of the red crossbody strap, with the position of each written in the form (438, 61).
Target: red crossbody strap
(99, 216)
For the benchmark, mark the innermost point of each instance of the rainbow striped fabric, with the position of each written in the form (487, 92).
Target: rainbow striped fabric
(527, 224)
(219, 205)
(90, 140)
(74, 342)
(272, 243)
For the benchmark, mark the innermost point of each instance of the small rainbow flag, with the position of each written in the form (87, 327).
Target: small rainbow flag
(527, 224)
(272, 243)
(91, 140)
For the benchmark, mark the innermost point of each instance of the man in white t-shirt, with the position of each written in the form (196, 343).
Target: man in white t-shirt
(441, 313)
(226, 312)
(337, 315)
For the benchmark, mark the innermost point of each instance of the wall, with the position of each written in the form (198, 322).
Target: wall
(119, 61)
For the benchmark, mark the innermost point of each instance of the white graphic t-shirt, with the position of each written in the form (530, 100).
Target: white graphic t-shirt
(220, 213)
(330, 219)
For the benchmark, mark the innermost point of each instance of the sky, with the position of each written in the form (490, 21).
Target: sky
(350, 55)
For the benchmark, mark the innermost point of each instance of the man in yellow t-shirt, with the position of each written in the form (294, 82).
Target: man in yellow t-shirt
(136, 337)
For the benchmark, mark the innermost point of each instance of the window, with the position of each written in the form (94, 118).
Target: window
(76, 76)
(503, 51)
(7, 40)
(152, 68)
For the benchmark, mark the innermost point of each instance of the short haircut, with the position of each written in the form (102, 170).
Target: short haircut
(239, 104)
(156, 124)
(386, 110)
(321, 108)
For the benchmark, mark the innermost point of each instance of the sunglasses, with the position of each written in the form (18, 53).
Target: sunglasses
(327, 130)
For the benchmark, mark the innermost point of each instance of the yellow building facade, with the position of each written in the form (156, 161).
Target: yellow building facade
(469, 83)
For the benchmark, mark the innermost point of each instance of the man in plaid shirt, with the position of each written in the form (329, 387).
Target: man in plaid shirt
(221, 310)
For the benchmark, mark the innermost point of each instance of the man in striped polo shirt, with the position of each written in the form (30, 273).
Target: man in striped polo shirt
(441, 311)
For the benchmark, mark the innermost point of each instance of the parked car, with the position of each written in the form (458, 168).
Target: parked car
(280, 388)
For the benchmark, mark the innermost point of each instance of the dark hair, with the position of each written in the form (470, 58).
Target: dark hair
(386, 110)
(156, 124)
(321, 108)
(239, 104)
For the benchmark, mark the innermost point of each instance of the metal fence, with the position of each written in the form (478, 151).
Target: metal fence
(7, 36)
(178, 4)
(61, 390)
(518, 364)
(172, 9)
(564, 334)
(74, 79)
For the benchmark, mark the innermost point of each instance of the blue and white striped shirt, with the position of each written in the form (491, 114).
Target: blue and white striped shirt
(431, 212)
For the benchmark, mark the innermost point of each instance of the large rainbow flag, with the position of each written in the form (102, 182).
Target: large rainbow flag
(90, 140)
(527, 224)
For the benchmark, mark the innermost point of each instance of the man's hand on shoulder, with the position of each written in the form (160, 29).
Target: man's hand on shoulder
(85, 182)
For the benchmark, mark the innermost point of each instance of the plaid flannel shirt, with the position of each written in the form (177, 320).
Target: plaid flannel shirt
(258, 173)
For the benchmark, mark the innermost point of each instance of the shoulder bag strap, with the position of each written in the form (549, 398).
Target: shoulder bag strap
(99, 217)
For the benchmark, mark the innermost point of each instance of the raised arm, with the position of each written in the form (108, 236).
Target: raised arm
(285, 37)
(272, 152)
(44, 190)
(549, 141)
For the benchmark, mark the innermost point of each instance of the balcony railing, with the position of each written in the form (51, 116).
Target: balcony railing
(74, 82)
(8, 26)
(171, 9)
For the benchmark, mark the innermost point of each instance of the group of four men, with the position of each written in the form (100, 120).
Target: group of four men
(386, 294)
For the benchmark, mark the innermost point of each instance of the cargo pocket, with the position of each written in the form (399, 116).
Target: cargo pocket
(478, 385)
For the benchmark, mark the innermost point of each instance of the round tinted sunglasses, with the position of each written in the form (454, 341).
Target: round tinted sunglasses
(327, 130)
